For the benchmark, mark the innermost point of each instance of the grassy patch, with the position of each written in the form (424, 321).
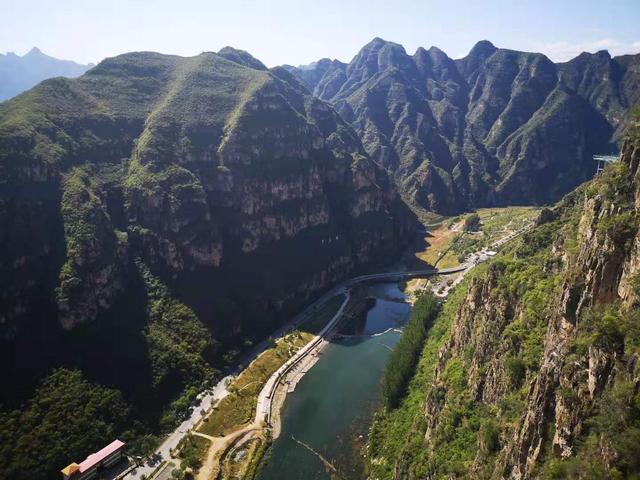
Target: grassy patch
(447, 245)
(439, 242)
(238, 408)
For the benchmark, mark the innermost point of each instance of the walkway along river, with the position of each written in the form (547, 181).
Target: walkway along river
(326, 419)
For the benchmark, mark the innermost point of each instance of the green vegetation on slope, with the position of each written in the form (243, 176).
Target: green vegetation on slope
(94, 249)
(177, 339)
(615, 424)
(397, 430)
(34, 443)
(403, 359)
(474, 385)
(465, 425)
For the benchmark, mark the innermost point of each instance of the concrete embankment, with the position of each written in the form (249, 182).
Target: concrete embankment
(265, 398)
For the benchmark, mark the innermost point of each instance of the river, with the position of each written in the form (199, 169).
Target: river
(326, 419)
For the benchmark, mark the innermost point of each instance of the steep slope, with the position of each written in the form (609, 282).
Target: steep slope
(324, 78)
(164, 212)
(531, 369)
(20, 73)
(496, 127)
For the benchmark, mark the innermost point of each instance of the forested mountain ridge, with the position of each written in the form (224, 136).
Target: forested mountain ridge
(157, 215)
(531, 370)
(20, 73)
(496, 127)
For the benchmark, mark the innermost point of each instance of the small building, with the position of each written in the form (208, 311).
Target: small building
(603, 160)
(95, 463)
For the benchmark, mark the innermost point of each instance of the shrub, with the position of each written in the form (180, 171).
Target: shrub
(472, 223)
(515, 368)
(488, 439)
(620, 228)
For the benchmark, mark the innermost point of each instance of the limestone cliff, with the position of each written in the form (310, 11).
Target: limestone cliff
(227, 183)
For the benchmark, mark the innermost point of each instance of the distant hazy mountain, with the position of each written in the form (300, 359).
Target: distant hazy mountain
(18, 74)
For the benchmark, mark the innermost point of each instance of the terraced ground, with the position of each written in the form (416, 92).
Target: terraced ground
(447, 244)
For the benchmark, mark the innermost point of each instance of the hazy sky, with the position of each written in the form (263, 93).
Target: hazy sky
(298, 32)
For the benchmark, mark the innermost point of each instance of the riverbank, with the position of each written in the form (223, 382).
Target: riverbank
(239, 425)
(354, 306)
(324, 420)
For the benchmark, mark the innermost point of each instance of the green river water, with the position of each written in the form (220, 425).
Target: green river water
(331, 409)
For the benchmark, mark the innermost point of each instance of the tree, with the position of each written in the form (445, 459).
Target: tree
(405, 355)
(472, 223)
(67, 418)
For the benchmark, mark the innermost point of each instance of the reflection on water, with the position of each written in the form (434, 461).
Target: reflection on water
(326, 419)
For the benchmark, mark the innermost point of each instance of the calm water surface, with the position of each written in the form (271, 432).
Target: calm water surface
(332, 406)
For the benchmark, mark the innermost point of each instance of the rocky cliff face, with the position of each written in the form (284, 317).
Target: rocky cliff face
(576, 359)
(532, 369)
(496, 127)
(227, 183)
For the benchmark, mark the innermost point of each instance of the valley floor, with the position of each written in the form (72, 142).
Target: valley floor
(240, 418)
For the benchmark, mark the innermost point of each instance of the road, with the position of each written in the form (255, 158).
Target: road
(206, 401)
(208, 398)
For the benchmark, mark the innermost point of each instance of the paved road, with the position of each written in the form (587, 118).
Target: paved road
(206, 401)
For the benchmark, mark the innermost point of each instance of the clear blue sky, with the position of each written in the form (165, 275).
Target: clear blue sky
(298, 32)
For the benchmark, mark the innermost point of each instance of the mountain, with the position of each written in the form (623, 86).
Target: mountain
(496, 127)
(531, 369)
(20, 73)
(159, 214)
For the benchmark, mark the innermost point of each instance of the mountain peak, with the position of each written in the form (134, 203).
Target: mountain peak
(434, 49)
(376, 44)
(377, 40)
(35, 51)
(483, 47)
(241, 57)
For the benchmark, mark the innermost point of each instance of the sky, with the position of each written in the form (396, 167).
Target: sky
(300, 32)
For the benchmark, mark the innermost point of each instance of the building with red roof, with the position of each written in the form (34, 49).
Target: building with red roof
(95, 463)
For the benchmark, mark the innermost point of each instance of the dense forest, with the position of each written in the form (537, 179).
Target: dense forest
(406, 353)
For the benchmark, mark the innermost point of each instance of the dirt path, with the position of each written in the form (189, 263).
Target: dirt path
(219, 445)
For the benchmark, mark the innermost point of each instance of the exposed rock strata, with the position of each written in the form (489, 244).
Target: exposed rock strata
(495, 127)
